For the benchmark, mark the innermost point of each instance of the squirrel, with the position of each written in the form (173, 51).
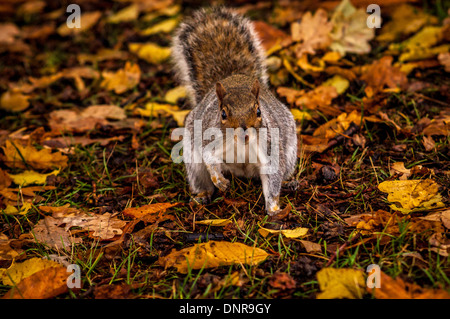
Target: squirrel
(219, 58)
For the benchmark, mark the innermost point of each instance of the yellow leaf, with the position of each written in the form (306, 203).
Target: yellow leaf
(412, 195)
(18, 271)
(341, 84)
(301, 115)
(288, 233)
(13, 210)
(129, 13)
(214, 222)
(213, 254)
(340, 283)
(31, 177)
(173, 95)
(425, 38)
(331, 56)
(14, 101)
(167, 11)
(405, 20)
(88, 20)
(16, 155)
(150, 52)
(153, 109)
(122, 80)
(165, 26)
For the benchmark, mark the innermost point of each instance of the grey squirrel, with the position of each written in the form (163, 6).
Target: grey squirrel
(219, 59)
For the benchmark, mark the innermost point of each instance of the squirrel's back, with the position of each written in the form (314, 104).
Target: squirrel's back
(212, 45)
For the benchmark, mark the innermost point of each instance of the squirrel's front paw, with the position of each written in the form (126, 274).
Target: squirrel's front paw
(220, 182)
(201, 199)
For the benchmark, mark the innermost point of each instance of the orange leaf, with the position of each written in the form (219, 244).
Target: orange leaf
(44, 284)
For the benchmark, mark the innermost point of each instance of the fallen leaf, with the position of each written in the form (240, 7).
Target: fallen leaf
(272, 39)
(173, 95)
(21, 270)
(288, 233)
(213, 222)
(8, 33)
(17, 155)
(31, 177)
(165, 26)
(127, 14)
(88, 20)
(311, 247)
(13, 210)
(382, 74)
(282, 281)
(73, 120)
(405, 20)
(149, 213)
(301, 115)
(47, 231)
(104, 226)
(444, 59)
(399, 167)
(211, 255)
(340, 283)
(122, 80)
(350, 32)
(413, 195)
(398, 289)
(14, 101)
(428, 143)
(44, 284)
(150, 52)
(312, 33)
(153, 109)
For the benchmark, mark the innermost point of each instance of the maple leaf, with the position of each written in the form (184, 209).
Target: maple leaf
(381, 73)
(312, 33)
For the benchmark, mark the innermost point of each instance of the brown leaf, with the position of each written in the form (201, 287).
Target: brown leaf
(381, 74)
(398, 289)
(282, 281)
(271, 38)
(150, 213)
(44, 284)
(312, 33)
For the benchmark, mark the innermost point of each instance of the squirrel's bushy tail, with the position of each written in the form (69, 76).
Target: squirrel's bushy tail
(212, 45)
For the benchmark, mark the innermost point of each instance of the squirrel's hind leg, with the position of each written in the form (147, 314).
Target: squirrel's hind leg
(271, 185)
(200, 183)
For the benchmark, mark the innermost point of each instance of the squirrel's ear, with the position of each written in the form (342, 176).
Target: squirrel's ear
(220, 91)
(255, 89)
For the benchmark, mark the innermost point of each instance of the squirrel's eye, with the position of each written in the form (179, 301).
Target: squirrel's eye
(224, 115)
(258, 112)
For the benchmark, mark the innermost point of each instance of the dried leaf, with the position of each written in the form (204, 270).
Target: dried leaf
(14, 101)
(122, 80)
(19, 271)
(413, 195)
(31, 177)
(47, 231)
(129, 13)
(340, 283)
(165, 26)
(398, 289)
(88, 20)
(211, 255)
(150, 52)
(17, 155)
(312, 33)
(153, 109)
(288, 233)
(44, 284)
(213, 222)
(350, 32)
